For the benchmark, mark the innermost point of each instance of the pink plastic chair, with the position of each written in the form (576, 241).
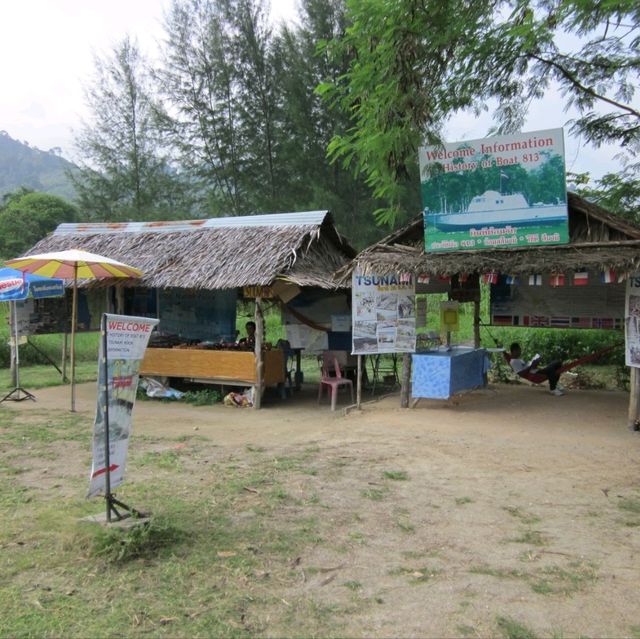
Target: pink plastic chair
(332, 378)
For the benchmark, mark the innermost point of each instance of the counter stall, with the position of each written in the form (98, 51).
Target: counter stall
(440, 374)
(233, 368)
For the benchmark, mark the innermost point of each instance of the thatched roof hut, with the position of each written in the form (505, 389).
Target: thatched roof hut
(597, 240)
(218, 253)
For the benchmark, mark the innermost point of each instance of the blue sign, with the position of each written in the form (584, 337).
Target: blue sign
(16, 285)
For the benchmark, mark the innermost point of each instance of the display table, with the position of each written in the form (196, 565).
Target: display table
(441, 374)
(233, 368)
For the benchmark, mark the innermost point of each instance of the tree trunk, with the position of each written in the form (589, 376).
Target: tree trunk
(405, 389)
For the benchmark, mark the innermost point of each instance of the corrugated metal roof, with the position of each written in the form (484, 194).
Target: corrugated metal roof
(306, 218)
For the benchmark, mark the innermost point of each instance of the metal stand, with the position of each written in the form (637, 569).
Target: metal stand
(18, 394)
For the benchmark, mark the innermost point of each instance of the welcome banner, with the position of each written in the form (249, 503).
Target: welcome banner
(126, 339)
(497, 192)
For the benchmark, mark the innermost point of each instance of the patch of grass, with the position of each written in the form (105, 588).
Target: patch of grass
(352, 585)
(634, 631)
(531, 537)
(406, 526)
(523, 516)
(166, 459)
(630, 505)
(461, 501)
(466, 631)
(555, 580)
(374, 494)
(143, 541)
(512, 629)
(395, 475)
(255, 449)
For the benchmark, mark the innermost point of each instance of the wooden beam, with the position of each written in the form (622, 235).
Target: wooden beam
(257, 389)
(405, 388)
(634, 399)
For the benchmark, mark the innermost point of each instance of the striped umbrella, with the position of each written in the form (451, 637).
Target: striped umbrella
(73, 265)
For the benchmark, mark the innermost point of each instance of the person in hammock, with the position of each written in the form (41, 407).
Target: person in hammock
(534, 371)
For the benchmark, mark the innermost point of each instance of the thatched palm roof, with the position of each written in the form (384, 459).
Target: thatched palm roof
(219, 253)
(597, 240)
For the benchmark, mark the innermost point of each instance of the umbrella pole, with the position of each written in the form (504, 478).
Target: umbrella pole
(74, 310)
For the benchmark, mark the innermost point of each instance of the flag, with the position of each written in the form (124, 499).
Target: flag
(581, 278)
(556, 279)
(502, 320)
(602, 322)
(405, 278)
(560, 322)
(490, 278)
(580, 322)
(608, 276)
(423, 279)
(504, 176)
(538, 320)
(511, 280)
(622, 277)
(444, 278)
(535, 280)
(463, 277)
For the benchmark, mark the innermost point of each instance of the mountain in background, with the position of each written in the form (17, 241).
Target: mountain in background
(23, 165)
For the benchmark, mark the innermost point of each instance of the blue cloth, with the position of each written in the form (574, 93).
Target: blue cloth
(35, 285)
(440, 375)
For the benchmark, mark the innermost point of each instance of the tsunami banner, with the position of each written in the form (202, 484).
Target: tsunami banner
(497, 192)
(126, 340)
(632, 321)
(383, 314)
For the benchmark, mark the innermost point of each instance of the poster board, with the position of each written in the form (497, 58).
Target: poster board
(384, 314)
(496, 192)
(632, 321)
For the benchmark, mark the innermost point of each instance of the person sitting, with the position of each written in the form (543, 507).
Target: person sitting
(250, 340)
(533, 370)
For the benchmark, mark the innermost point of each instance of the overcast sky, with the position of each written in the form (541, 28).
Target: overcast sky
(47, 49)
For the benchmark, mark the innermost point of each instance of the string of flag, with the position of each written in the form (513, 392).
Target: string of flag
(579, 278)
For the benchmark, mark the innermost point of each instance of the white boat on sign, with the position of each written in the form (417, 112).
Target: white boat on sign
(495, 209)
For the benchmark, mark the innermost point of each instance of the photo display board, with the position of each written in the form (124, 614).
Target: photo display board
(384, 314)
(496, 192)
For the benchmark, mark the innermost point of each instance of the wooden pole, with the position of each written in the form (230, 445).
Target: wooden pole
(634, 399)
(359, 383)
(74, 311)
(405, 388)
(476, 323)
(65, 339)
(257, 389)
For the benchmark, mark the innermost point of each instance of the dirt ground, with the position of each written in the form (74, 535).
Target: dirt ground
(507, 503)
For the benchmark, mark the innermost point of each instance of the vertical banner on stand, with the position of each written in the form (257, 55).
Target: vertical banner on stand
(632, 321)
(126, 339)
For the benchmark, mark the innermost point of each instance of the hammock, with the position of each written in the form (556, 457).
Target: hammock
(538, 378)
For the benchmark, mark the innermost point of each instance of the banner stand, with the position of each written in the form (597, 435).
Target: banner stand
(111, 501)
(18, 394)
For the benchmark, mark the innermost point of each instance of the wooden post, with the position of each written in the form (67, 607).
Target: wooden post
(634, 399)
(405, 389)
(476, 323)
(65, 339)
(257, 389)
(359, 383)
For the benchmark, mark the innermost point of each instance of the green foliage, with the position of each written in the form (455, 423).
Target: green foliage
(202, 397)
(26, 217)
(616, 192)
(125, 174)
(414, 64)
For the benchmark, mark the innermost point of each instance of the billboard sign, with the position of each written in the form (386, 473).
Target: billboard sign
(497, 192)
